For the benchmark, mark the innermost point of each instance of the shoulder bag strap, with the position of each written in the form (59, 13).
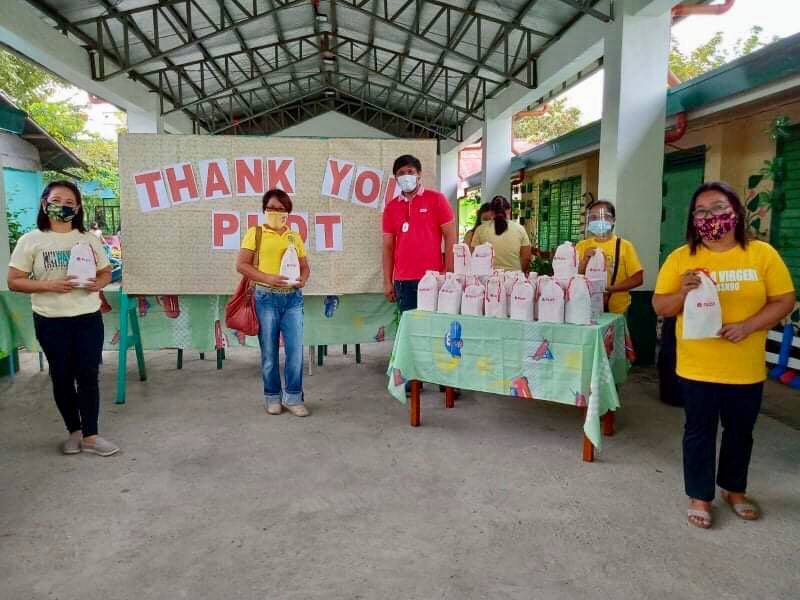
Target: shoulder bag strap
(616, 261)
(257, 252)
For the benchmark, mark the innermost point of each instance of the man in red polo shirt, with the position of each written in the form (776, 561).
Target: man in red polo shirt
(414, 224)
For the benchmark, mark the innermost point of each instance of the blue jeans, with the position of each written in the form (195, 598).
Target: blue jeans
(281, 314)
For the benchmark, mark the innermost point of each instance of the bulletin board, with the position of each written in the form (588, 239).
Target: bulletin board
(186, 202)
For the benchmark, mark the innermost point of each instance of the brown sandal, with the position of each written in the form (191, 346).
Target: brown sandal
(744, 510)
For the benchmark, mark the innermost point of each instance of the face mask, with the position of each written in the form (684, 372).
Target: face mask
(599, 227)
(715, 227)
(407, 183)
(65, 214)
(276, 219)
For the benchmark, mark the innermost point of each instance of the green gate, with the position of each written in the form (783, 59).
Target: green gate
(785, 229)
(683, 174)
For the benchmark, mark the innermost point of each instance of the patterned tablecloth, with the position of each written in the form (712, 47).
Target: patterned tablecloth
(190, 322)
(571, 364)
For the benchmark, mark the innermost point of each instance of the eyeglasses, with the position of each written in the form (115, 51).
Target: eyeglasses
(716, 210)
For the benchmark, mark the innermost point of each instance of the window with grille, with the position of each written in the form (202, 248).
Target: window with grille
(560, 207)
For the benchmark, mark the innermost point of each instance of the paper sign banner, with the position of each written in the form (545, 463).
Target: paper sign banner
(328, 232)
(225, 228)
(181, 183)
(367, 187)
(151, 191)
(215, 180)
(249, 176)
(338, 178)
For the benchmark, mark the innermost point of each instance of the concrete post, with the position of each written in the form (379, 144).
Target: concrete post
(496, 150)
(150, 121)
(632, 135)
(632, 147)
(448, 176)
(5, 254)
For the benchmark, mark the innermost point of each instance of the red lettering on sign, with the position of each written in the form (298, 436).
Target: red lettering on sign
(177, 183)
(367, 187)
(339, 175)
(301, 225)
(249, 176)
(278, 174)
(215, 181)
(148, 180)
(328, 222)
(224, 224)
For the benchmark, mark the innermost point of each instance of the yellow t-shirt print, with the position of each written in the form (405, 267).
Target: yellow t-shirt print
(273, 245)
(745, 278)
(629, 265)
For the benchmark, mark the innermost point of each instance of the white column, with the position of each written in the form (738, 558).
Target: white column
(496, 150)
(4, 250)
(448, 176)
(632, 136)
(149, 121)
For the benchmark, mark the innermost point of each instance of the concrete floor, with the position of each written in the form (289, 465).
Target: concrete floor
(212, 498)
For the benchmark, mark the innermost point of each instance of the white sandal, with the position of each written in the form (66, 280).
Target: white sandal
(703, 515)
(744, 510)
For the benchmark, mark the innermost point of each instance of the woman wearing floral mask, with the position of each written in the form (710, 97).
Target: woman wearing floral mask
(722, 378)
(66, 317)
(279, 304)
(622, 263)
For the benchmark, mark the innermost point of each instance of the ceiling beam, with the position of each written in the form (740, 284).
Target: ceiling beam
(585, 6)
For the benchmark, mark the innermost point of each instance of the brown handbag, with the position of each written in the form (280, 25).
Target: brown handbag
(240, 311)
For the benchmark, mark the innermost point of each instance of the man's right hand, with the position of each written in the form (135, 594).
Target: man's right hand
(388, 291)
(61, 286)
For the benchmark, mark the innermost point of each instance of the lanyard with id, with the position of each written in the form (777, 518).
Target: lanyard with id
(407, 224)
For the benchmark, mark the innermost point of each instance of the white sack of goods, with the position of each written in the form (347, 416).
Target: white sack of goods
(82, 264)
(565, 262)
(522, 298)
(550, 300)
(578, 303)
(290, 265)
(702, 313)
(428, 292)
(450, 296)
(461, 259)
(482, 263)
(460, 278)
(496, 298)
(597, 276)
(473, 298)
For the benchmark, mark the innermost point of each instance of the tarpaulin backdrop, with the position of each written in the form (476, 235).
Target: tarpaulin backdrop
(169, 250)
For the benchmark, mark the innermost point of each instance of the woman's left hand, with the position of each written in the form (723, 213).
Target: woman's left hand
(301, 283)
(735, 332)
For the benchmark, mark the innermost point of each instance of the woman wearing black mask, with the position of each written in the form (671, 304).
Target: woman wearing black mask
(66, 312)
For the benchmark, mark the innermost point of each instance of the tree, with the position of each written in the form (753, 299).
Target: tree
(711, 54)
(557, 120)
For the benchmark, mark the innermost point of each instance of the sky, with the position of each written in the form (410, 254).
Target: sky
(779, 18)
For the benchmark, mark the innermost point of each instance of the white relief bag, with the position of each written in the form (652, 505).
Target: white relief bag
(82, 264)
(565, 262)
(450, 296)
(428, 292)
(578, 303)
(461, 259)
(702, 312)
(473, 298)
(482, 262)
(597, 276)
(522, 299)
(496, 298)
(550, 300)
(290, 265)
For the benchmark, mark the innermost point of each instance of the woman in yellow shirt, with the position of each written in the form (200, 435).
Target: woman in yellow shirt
(622, 263)
(482, 215)
(722, 378)
(279, 304)
(510, 241)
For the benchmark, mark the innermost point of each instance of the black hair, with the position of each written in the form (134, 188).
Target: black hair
(499, 206)
(407, 160)
(280, 196)
(607, 203)
(740, 233)
(43, 221)
(483, 208)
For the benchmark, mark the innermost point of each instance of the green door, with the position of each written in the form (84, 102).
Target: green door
(683, 173)
(785, 231)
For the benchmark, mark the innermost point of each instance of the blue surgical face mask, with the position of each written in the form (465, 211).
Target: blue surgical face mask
(599, 227)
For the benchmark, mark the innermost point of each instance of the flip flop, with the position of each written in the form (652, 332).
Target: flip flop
(744, 510)
(703, 515)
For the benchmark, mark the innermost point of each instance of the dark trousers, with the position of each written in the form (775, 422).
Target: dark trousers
(706, 404)
(73, 347)
(406, 292)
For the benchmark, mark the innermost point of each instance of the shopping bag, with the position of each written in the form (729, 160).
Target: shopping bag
(474, 297)
(496, 304)
(461, 258)
(82, 264)
(482, 262)
(290, 265)
(578, 302)
(240, 311)
(450, 296)
(550, 300)
(522, 298)
(597, 271)
(428, 292)
(702, 312)
(565, 262)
